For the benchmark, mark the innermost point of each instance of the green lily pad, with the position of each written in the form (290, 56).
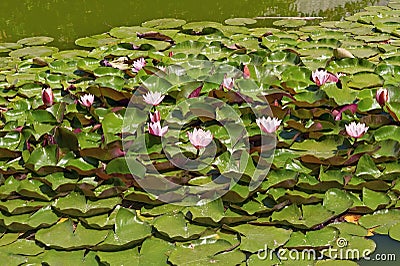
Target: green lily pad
(74, 236)
(176, 227)
(240, 21)
(34, 51)
(290, 23)
(164, 23)
(362, 80)
(38, 40)
(206, 253)
(351, 66)
(257, 237)
(96, 40)
(76, 204)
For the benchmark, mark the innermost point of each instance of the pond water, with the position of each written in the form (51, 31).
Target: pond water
(67, 20)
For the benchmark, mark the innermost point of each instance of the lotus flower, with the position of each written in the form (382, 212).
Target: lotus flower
(227, 83)
(156, 117)
(320, 77)
(138, 65)
(156, 129)
(48, 96)
(356, 130)
(153, 98)
(87, 100)
(382, 96)
(268, 125)
(200, 138)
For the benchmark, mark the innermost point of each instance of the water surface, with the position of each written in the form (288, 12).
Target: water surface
(67, 20)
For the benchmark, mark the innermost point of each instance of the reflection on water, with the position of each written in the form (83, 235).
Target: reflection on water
(385, 248)
(67, 20)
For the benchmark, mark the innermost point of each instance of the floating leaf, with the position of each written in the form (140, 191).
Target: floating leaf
(164, 23)
(240, 21)
(38, 40)
(290, 23)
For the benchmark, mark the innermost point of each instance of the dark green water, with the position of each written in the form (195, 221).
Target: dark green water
(67, 20)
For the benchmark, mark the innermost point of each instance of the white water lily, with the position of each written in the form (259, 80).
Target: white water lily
(356, 130)
(156, 129)
(153, 98)
(268, 125)
(138, 65)
(87, 100)
(200, 138)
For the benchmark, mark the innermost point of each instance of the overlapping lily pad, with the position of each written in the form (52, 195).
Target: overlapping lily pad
(63, 170)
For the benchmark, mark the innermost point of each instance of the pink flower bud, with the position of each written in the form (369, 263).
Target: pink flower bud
(382, 96)
(156, 117)
(47, 96)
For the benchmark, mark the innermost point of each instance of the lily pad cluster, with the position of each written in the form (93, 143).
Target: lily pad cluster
(68, 194)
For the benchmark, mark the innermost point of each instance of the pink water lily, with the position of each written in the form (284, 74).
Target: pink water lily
(156, 129)
(48, 96)
(200, 138)
(153, 98)
(228, 83)
(156, 117)
(87, 100)
(138, 65)
(356, 130)
(320, 77)
(268, 125)
(382, 96)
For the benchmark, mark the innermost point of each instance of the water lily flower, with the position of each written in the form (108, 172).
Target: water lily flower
(87, 100)
(153, 98)
(320, 77)
(48, 96)
(156, 129)
(156, 117)
(356, 130)
(138, 65)
(227, 83)
(382, 96)
(268, 125)
(200, 138)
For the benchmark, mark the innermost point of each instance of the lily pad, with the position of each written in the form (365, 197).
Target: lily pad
(240, 21)
(290, 23)
(164, 23)
(34, 51)
(38, 40)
